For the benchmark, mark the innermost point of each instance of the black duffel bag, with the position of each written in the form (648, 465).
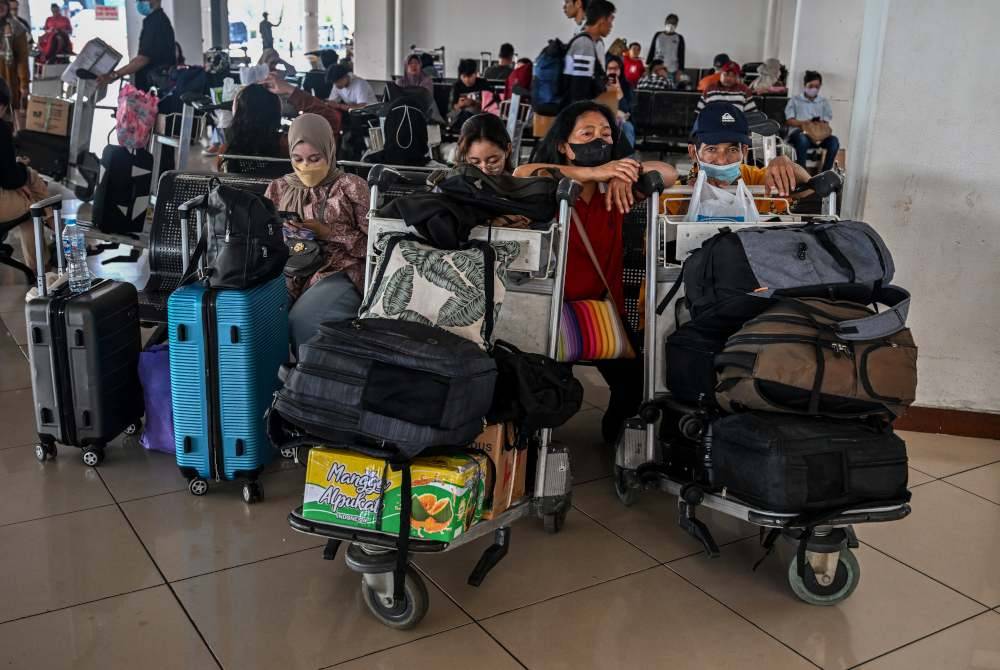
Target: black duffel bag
(501, 195)
(792, 464)
(402, 385)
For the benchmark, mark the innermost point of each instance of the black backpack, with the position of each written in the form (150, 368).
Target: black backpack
(499, 195)
(122, 196)
(243, 244)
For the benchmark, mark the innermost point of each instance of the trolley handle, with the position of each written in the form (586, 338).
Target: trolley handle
(568, 190)
(649, 183)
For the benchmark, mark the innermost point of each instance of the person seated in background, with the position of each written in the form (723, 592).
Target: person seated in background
(256, 126)
(274, 63)
(466, 93)
(730, 89)
(576, 10)
(719, 147)
(710, 80)
(519, 78)
(658, 78)
(349, 90)
(303, 103)
(621, 90)
(19, 185)
(485, 144)
(406, 139)
(808, 115)
(322, 203)
(414, 75)
(581, 145)
(57, 22)
(668, 46)
(505, 65)
(769, 79)
(635, 67)
(315, 80)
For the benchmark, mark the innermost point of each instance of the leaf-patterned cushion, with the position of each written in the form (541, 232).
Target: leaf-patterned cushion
(439, 287)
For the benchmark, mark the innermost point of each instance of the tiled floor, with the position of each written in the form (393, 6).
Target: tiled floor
(120, 567)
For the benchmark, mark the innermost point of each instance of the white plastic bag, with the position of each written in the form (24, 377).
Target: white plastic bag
(711, 203)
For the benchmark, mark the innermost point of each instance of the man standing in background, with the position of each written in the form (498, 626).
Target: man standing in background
(576, 10)
(266, 36)
(668, 46)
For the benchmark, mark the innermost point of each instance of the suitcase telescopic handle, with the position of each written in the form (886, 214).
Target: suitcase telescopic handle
(183, 212)
(38, 220)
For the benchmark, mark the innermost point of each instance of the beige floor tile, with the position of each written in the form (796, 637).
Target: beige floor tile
(14, 370)
(944, 455)
(649, 620)
(70, 559)
(917, 478)
(12, 295)
(539, 565)
(651, 523)
(297, 611)
(439, 651)
(971, 645)
(32, 490)
(952, 535)
(14, 321)
(189, 535)
(595, 389)
(145, 630)
(892, 605)
(134, 473)
(984, 481)
(590, 458)
(17, 417)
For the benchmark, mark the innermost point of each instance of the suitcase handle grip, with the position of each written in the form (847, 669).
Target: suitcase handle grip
(37, 210)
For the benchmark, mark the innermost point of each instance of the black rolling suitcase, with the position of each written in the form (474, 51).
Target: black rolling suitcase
(48, 154)
(84, 352)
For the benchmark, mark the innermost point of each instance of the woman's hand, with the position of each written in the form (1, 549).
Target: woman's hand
(626, 169)
(619, 196)
(277, 85)
(616, 88)
(312, 225)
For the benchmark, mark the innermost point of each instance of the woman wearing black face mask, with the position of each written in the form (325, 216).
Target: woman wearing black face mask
(581, 145)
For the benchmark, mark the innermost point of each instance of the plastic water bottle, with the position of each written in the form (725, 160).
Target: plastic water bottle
(75, 251)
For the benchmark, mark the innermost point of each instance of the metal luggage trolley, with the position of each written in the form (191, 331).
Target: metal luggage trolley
(669, 445)
(373, 553)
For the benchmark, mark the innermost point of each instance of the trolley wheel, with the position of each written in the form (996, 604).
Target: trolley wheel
(45, 451)
(198, 486)
(92, 456)
(554, 521)
(403, 615)
(288, 453)
(810, 590)
(690, 427)
(134, 428)
(627, 492)
(252, 492)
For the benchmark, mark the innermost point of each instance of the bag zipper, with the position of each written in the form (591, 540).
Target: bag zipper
(63, 380)
(326, 374)
(838, 348)
(209, 325)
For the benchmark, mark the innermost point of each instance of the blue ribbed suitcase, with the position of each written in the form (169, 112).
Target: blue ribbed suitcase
(226, 347)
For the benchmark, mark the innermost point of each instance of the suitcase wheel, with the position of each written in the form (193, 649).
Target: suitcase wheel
(288, 453)
(253, 492)
(828, 587)
(93, 456)
(198, 486)
(133, 428)
(45, 451)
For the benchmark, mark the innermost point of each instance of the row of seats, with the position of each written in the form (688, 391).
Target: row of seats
(669, 115)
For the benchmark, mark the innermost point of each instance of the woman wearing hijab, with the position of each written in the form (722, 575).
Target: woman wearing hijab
(13, 57)
(414, 75)
(332, 208)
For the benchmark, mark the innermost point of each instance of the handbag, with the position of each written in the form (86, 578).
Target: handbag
(816, 131)
(592, 330)
(135, 117)
(305, 257)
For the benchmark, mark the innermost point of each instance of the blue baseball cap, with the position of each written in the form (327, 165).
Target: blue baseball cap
(721, 122)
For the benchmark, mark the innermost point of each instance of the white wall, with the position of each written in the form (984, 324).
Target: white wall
(932, 192)
(373, 38)
(828, 41)
(466, 28)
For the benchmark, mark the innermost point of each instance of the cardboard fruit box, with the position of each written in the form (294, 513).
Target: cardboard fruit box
(348, 489)
(506, 484)
(49, 115)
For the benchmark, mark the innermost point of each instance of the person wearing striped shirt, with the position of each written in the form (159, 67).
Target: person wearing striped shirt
(584, 64)
(729, 89)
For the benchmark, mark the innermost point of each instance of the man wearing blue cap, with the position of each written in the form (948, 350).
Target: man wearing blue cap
(720, 141)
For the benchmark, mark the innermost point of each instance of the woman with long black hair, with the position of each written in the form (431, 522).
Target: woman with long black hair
(582, 145)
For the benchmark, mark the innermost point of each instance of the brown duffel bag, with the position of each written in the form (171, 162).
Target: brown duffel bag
(790, 359)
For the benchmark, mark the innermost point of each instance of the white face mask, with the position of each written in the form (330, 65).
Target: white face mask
(670, 29)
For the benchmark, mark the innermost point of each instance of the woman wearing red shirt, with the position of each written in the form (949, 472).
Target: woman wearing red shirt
(58, 22)
(580, 145)
(635, 67)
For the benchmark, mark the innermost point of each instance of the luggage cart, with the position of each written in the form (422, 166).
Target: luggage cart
(373, 554)
(516, 122)
(668, 446)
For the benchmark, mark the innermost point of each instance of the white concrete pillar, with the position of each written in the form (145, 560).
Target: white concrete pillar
(374, 39)
(310, 37)
(186, 17)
